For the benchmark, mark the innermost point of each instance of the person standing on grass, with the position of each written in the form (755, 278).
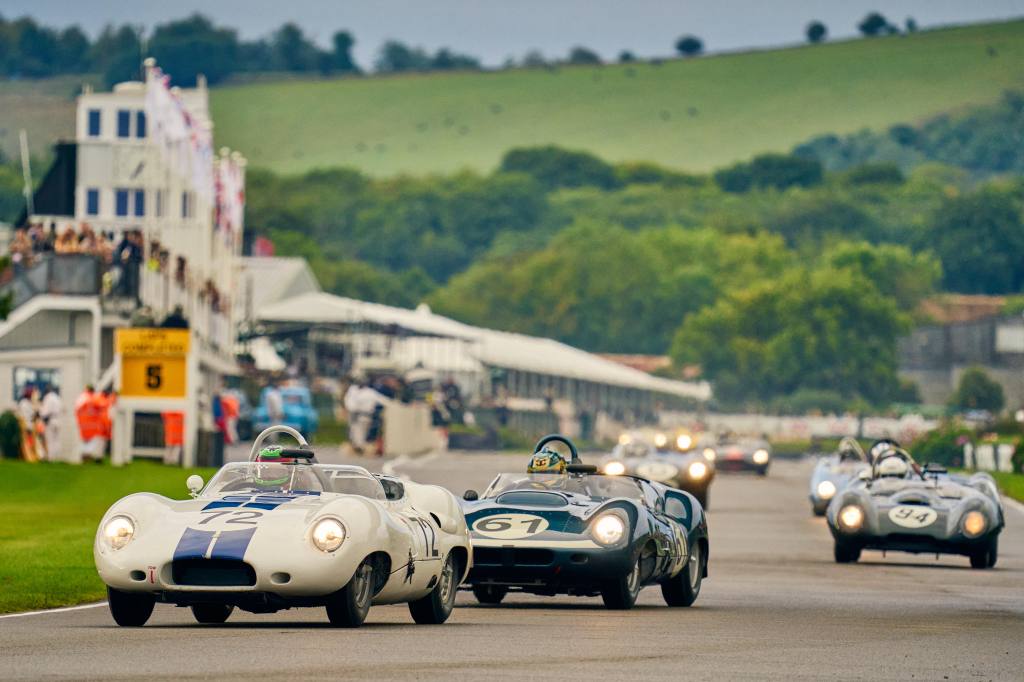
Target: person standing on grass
(52, 412)
(89, 413)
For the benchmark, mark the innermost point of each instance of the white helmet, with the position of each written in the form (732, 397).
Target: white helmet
(893, 467)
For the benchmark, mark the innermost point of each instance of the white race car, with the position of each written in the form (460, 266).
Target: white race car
(282, 531)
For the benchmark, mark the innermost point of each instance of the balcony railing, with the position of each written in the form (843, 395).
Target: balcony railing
(58, 274)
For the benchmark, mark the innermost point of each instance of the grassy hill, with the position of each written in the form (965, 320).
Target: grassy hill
(694, 114)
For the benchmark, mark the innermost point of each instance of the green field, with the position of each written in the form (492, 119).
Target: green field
(50, 514)
(1012, 485)
(696, 114)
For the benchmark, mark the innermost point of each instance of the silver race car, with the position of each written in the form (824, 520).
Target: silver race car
(691, 471)
(834, 472)
(898, 505)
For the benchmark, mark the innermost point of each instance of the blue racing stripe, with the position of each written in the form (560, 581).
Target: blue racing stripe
(232, 544)
(193, 544)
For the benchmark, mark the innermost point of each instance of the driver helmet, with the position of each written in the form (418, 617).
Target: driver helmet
(892, 465)
(271, 469)
(881, 447)
(547, 462)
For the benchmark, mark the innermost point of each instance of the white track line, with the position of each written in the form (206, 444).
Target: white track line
(60, 610)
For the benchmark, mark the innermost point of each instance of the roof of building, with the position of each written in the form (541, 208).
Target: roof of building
(953, 308)
(490, 347)
(271, 279)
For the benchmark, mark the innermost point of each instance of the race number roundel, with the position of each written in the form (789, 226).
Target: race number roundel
(912, 516)
(657, 471)
(510, 526)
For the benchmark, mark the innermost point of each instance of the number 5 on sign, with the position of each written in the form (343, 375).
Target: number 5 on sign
(153, 362)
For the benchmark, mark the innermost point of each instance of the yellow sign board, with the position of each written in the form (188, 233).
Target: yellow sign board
(153, 362)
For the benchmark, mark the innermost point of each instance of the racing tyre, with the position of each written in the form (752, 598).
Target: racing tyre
(435, 608)
(818, 511)
(702, 497)
(986, 555)
(347, 608)
(211, 614)
(621, 594)
(846, 553)
(130, 609)
(489, 594)
(682, 590)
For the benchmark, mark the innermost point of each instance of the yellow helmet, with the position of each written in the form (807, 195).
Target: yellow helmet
(547, 462)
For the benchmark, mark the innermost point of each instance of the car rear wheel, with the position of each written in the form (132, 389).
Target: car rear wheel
(347, 608)
(130, 609)
(683, 588)
(987, 555)
(211, 614)
(846, 553)
(489, 594)
(435, 608)
(621, 593)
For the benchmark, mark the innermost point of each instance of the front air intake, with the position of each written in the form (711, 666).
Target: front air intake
(213, 573)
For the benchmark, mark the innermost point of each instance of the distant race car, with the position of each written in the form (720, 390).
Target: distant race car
(562, 528)
(834, 472)
(691, 471)
(282, 531)
(299, 412)
(898, 506)
(735, 454)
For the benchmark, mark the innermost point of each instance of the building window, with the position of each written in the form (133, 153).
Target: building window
(121, 202)
(92, 202)
(186, 204)
(140, 124)
(124, 123)
(140, 202)
(159, 204)
(94, 123)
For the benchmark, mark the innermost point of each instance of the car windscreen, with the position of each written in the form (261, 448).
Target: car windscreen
(293, 477)
(592, 485)
(265, 477)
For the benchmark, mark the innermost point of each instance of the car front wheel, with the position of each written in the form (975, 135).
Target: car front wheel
(621, 594)
(489, 594)
(211, 614)
(435, 608)
(846, 553)
(683, 588)
(986, 555)
(130, 609)
(347, 608)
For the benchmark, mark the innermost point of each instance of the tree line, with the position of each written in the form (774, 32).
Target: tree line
(193, 45)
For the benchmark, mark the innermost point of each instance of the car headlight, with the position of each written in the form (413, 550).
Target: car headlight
(625, 439)
(119, 531)
(697, 470)
(660, 440)
(826, 489)
(614, 468)
(609, 529)
(974, 524)
(710, 454)
(851, 517)
(683, 442)
(761, 456)
(328, 535)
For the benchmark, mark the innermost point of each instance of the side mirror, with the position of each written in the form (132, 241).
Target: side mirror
(194, 483)
(470, 496)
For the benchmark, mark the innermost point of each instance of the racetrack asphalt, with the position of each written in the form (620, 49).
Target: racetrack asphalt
(774, 607)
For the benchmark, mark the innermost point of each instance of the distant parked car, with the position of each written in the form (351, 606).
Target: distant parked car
(298, 410)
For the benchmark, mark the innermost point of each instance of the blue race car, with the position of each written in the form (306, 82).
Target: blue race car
(299, 412)
(562, 528)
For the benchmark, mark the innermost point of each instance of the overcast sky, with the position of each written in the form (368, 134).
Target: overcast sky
(494, 30)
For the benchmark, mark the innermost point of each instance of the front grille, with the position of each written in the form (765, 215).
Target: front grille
(213, 573)
(512, 556)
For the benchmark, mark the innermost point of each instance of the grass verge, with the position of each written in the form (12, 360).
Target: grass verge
(1011, 485)
(50, 514)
